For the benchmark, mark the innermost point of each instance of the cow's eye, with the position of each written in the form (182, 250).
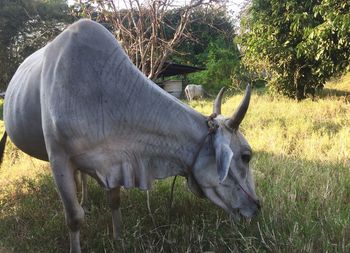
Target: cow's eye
(246, 156)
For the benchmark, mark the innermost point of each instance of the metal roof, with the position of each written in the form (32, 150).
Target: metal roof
(173, 69)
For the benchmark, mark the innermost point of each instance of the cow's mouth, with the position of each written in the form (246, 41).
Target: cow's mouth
(238, 216)
(245, 213)
(235, 215)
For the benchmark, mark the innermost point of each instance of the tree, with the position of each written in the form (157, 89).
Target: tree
(147, 30)
(13, 16)
(209, 25)
(222, 65)
(329, 42)
(212, 46)
(25, 27)
(299, 43)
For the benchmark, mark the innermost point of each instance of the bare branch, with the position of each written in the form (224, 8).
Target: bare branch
(146, 34)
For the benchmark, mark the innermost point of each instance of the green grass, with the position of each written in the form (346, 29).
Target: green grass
(302, 171)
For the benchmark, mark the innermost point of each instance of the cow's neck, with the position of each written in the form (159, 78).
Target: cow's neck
(173, 132)
(175, 153)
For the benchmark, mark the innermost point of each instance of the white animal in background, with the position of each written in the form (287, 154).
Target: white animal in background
(193, 91)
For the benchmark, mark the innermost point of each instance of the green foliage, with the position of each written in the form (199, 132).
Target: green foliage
(26, 26)
(328, 43)
(211, 46)
(207, 27)
(301, 168)
(12, 18)
(300, 44)
(222, 64)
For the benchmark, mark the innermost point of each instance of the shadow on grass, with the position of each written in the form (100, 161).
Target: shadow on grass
(327, 92)
(305, 209)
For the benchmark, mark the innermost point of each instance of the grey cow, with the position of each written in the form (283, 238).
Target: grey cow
(193, 91)
(80, 104)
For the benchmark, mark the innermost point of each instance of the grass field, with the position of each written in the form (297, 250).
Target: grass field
(302, 170)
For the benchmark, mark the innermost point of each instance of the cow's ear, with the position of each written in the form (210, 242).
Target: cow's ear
(223, 155)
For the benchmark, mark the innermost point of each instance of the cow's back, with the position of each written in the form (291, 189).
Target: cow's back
(22, 113)
(91, 92)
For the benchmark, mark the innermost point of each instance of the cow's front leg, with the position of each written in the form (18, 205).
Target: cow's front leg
(63, 173)
(113, 196)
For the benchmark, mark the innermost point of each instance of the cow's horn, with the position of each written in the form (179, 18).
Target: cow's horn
(239, 114)
(217, 102)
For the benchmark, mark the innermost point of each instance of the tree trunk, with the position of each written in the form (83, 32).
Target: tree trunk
(299, 87)
(299, 92)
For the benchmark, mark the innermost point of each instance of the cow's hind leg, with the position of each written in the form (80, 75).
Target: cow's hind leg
(84, 190)
(81, 183)
(114, 203)
(63, 172)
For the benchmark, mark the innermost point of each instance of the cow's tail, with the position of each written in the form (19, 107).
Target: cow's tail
(2, 146)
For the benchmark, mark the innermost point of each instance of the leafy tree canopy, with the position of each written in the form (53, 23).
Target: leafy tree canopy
(299, 43)
(222, 64)
(208, 25)
(25, 26)
(212, 46)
